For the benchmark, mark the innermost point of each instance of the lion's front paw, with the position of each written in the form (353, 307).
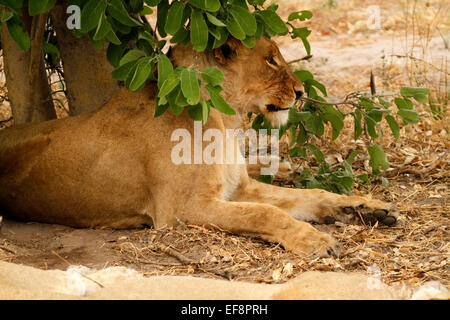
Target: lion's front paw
(305, 240)
(367, 211)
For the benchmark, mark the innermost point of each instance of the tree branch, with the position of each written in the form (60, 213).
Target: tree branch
(300, 59)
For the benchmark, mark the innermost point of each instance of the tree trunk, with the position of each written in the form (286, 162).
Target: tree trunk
(26, 79)
(87, 71)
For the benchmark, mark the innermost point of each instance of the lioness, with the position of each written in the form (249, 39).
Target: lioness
(112, 168)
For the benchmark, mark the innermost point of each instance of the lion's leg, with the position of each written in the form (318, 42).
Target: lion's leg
(266, 221)
(318, 205)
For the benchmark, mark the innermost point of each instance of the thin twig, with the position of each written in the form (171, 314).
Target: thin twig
(327, 103)
(421, 60)
(3, 247)
(300, 59)
(83, 275)
(174, 253)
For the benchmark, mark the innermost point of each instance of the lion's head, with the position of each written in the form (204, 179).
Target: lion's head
(256, 80)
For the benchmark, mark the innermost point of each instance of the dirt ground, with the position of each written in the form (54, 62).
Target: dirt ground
(344, 50)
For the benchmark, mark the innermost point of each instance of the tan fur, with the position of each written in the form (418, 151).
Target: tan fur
(112, 168)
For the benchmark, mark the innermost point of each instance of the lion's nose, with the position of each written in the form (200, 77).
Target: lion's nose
(298, 94)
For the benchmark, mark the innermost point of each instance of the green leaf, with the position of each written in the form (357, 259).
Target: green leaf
(293, 135)
(141, 73)
(335, 118)
(180, 100)
(152, 3)
(145, 35)
(404, 103)
(218, 102)
(118, 11)
(214, 20)
(172, 98)
(249, 42)
(384, 103)
(304, 75)
(419, 94)
(169, 84)
(371, 124)
(259, 28)
(367, 104)
(272, 20)
(364, 178)
(189, 86)
(377, 114)
(212, 76)
(307, 46)
(319, 86)
(103, 28)
(422, 98)
(268, 179)
(36, 6)
(146, 11)
(208, 5)
(296, 117)
(315, 124)
(123, 71)
(180, 35)
(302, 135)
(212, 5)
(165, 68)
(395, 128)
(15, 5)
(256, 2)
(199, 31)
(131, 56)
(412, 91)
(235, 28)
(301, 33)
(223, 37)
(136, 5)
(112, 37)
(245, 19)
(216, 34)
(5, 16)
(358, 127)
(174, 17)
(163, 9)
(316, 152)
(352, 156)
(409, 116)
(114, 53)
(160, 109)
(273, 7)
(297, 152)
(205, 110)
(377, 159)
(300, 15)
(117, 26)
(50, 49)
(91, 14)
(201, 4)
(21, 38)
(195, 112)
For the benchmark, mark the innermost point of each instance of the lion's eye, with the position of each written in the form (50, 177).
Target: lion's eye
(272, 61)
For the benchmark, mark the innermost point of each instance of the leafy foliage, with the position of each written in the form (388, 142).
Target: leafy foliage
(135, 51)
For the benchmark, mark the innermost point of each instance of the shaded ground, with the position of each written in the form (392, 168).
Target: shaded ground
(416, 250)
(413, 252)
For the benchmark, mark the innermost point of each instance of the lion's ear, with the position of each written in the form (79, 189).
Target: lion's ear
(227, 51)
